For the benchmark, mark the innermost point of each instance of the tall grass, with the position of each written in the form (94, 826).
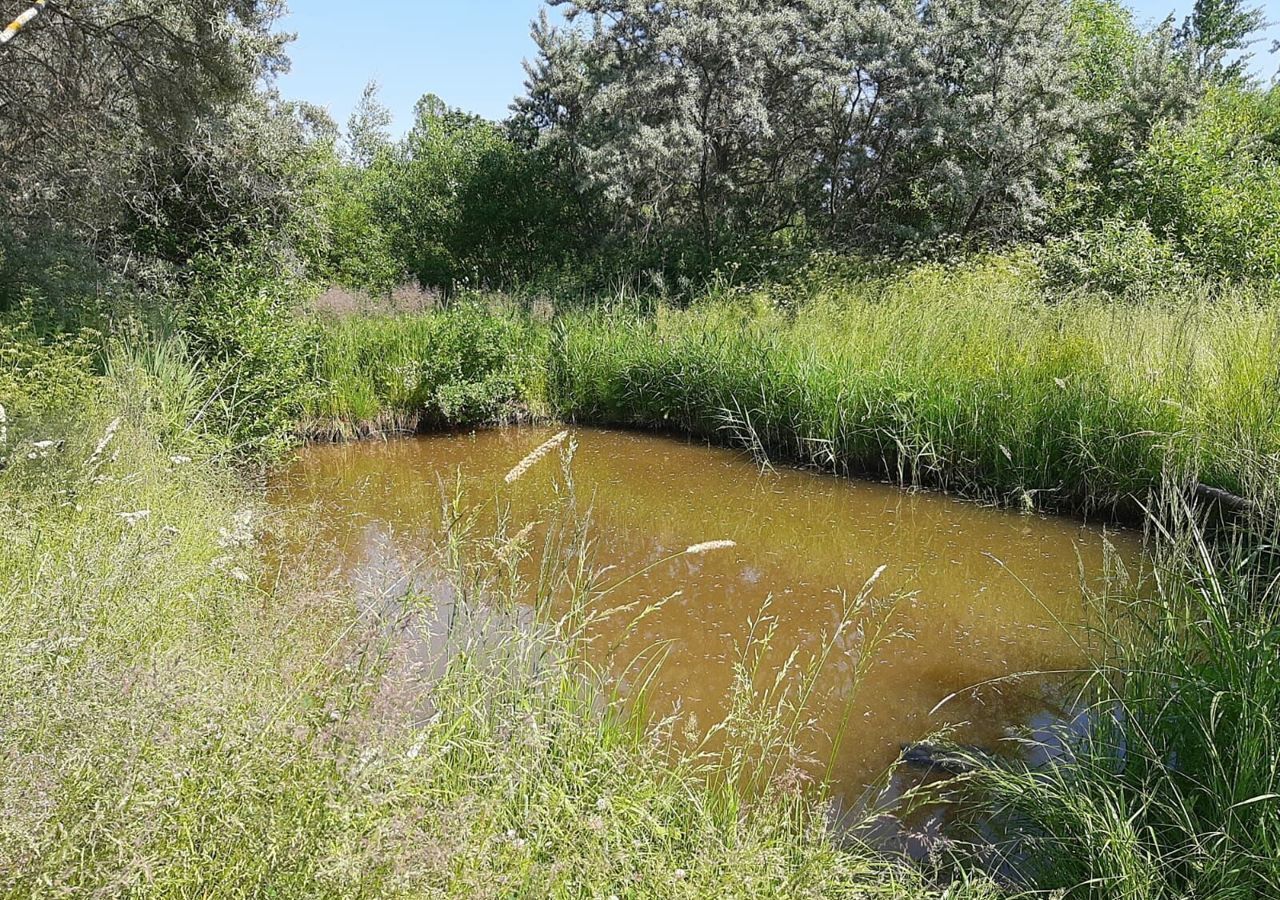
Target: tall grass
(1175, 791)
(971, 380)
(179, 724)
(466, 365)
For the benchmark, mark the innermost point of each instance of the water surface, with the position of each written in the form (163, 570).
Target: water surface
(968, 595)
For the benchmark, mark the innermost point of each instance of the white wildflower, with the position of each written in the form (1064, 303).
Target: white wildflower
(133, 518)
(106, 439)
(179, 460)
(241, 532)
(40, 449)
(709, 546)
(239, 575)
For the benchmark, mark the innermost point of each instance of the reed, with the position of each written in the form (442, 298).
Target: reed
(973, 380)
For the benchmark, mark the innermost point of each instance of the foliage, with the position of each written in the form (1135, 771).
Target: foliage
(111, 108)
(466, 206)
(733, 121)
(1118, 257)
(467, 365)
(1215, 29)
(1213, 185)
(351, 243)
(239, 313)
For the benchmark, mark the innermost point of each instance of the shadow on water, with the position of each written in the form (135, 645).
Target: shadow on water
(968, 597)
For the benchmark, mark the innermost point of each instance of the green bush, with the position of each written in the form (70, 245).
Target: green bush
(1212, 186)
(464, 365)
(240, 313)
(43, 378)
(1119, 257)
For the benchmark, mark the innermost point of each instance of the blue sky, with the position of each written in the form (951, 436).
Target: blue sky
(467, 51)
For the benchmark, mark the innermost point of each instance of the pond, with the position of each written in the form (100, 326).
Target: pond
(967, 595)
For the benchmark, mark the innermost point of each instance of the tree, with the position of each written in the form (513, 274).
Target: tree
(107, 108)
(464, 203)
(1217, 28)
(368, 128)
(870, 122)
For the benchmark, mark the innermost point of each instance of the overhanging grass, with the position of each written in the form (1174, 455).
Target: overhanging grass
(969, 380)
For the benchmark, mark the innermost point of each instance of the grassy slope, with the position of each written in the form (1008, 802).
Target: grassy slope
(176, 727)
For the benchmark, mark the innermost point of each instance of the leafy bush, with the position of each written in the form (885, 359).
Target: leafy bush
(44, 377)
(240, 314)
(1120, 257)
(1212, 186)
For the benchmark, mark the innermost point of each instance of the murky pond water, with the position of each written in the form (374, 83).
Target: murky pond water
(968, 595)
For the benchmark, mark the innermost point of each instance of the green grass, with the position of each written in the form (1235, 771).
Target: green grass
(183, 720)
(1176, 793)
(179, 721)
(466, 365)
(973, 380)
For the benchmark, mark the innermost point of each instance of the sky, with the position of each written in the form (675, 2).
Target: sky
(470, 51)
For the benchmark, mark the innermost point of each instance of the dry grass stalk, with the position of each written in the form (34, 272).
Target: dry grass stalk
(532, 459)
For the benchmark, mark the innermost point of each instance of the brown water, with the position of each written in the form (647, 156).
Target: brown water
(968, 595)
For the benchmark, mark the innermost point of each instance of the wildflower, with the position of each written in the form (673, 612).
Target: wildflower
(709, 546)
(106, 439)
(4, 428)
(529, 461)
(241, 532)
(679, 874)
(602, 804)
(40, 449)
(239, 575)
(596, 824)
(179, 460)
(133, 518)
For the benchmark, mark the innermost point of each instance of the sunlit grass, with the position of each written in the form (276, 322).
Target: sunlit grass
(970, 380)
(180, 722)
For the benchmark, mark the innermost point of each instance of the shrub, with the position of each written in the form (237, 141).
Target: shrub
(1212, 186)
(239, 312)
(1119, 257)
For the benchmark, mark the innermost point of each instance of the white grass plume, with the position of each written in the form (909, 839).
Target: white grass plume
(711, 546)
(531, 460)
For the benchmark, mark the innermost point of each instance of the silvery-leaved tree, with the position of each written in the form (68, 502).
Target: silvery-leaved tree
(864, 121)
(690, 118)
(128, 117)
(981, 121)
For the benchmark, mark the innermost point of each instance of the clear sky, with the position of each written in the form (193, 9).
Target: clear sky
(467, 51)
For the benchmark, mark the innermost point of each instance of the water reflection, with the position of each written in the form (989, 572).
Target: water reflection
(968, 595)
